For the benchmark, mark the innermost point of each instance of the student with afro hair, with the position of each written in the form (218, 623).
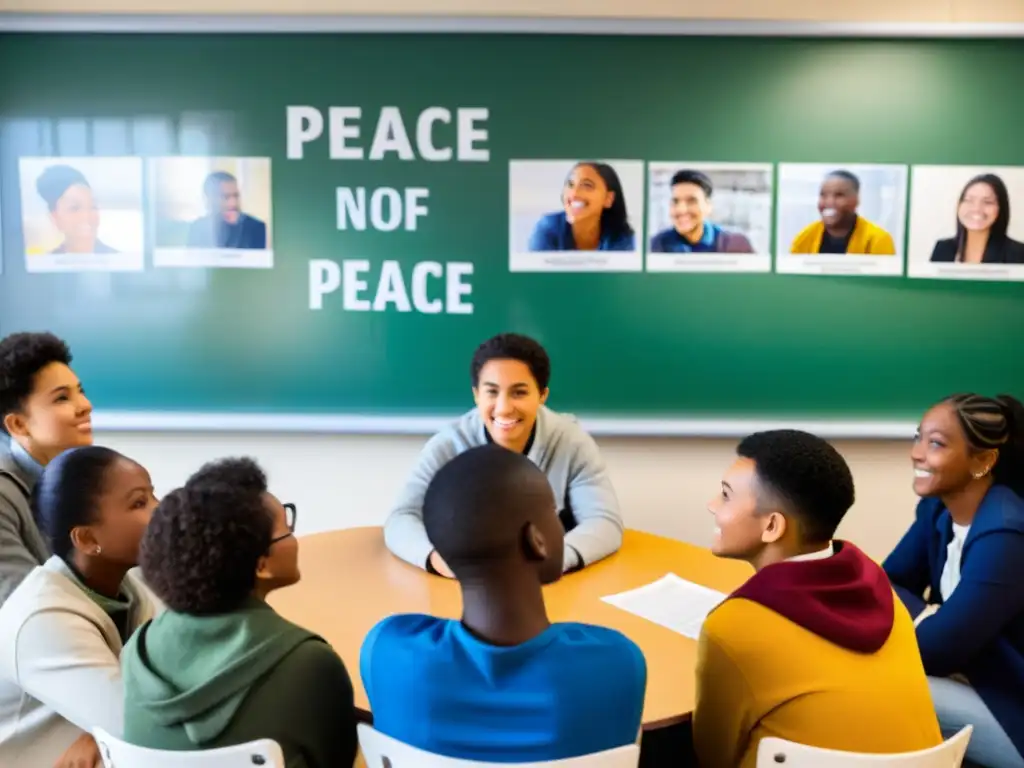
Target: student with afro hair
(220, 667)
(43, 412)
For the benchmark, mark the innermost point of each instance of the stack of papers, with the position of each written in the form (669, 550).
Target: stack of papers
(671, 602)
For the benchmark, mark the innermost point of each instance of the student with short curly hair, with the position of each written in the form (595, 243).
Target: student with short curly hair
(43, 412)
(509, 374)
(814, 647)
(220, 666)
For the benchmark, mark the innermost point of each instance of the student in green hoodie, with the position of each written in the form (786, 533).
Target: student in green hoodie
(220, 667)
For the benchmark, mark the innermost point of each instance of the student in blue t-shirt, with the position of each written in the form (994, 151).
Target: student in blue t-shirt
(504, 684)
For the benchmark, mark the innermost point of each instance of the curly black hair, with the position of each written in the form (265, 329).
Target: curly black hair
(22, 356)
(513, 346)
(806, 475)
(204, 541)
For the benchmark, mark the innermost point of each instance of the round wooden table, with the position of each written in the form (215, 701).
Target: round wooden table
(350, 581)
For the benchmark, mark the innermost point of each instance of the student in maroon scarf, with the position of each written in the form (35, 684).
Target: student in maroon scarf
(814, 647)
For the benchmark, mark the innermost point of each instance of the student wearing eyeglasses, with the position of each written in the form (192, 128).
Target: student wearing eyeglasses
(220, 667)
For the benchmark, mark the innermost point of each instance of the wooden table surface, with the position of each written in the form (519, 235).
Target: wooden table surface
(350, 581)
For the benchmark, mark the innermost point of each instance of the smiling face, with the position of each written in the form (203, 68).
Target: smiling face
(228, 202)
(742, 526)
(55, 416)
(979, 207)
(585, 196)
(75, 214)
(837, 201)
(690, 207)
(508, 399)
(944, 462)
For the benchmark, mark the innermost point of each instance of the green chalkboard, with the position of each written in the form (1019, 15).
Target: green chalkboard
(630, 344)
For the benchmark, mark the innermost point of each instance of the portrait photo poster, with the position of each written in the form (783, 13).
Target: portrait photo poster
(715, 217)
(962, 223)
(841, 219)
(554, 202)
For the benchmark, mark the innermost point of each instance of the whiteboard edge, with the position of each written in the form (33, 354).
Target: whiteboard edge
(352, 424)
(438, 24)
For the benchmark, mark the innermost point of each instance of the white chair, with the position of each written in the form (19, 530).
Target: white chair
(772, 752)
(380, 751)
(117, 754)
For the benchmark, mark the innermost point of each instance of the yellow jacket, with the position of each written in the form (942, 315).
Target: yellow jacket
(763, 669)
(867, 238)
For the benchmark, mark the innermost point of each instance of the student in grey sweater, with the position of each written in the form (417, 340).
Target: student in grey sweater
(510, 376)
(43, 412)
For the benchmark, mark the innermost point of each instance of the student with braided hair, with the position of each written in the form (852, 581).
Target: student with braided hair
(960, 570)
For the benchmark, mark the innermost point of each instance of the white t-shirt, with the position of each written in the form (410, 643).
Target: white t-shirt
(951, 570)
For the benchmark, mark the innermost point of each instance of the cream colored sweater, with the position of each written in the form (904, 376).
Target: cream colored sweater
(60, 670)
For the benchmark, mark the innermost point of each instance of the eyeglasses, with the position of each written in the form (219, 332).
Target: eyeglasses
(290, 513)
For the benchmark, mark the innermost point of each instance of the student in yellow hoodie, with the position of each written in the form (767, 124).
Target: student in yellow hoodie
(840, 229)
(813, 648)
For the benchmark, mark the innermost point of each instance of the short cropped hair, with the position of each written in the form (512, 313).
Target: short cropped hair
(702, 180)
(204, 542)
(477, 505)
(806, 475)
(22, 356)
(513, 346)
(848, 176)
(211, 187)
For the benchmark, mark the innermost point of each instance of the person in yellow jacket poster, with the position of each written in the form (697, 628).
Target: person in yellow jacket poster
(841, 219)
(840, 229)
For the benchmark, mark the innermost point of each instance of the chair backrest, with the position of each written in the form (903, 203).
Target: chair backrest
(117, 754)
(772, 753)
(380, 751)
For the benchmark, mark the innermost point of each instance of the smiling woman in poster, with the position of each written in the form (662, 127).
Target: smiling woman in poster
(73, 209)
(593, 215)
(982, 219)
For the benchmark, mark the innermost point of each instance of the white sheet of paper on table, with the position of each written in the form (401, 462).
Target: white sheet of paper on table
(672, 602)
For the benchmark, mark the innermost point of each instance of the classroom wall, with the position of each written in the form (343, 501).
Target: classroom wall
(779, 10)
(663, 484)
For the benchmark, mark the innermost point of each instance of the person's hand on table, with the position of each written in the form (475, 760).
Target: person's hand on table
(84, 752)
(440, 566)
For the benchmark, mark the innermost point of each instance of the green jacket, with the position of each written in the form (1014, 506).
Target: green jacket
(200, 682)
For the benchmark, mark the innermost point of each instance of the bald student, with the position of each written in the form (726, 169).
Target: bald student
(504, 683)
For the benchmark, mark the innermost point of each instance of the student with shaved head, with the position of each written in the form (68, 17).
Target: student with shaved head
(504, 683)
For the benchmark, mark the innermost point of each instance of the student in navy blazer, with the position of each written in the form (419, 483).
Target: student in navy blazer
(960, 570)
(593, 215)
